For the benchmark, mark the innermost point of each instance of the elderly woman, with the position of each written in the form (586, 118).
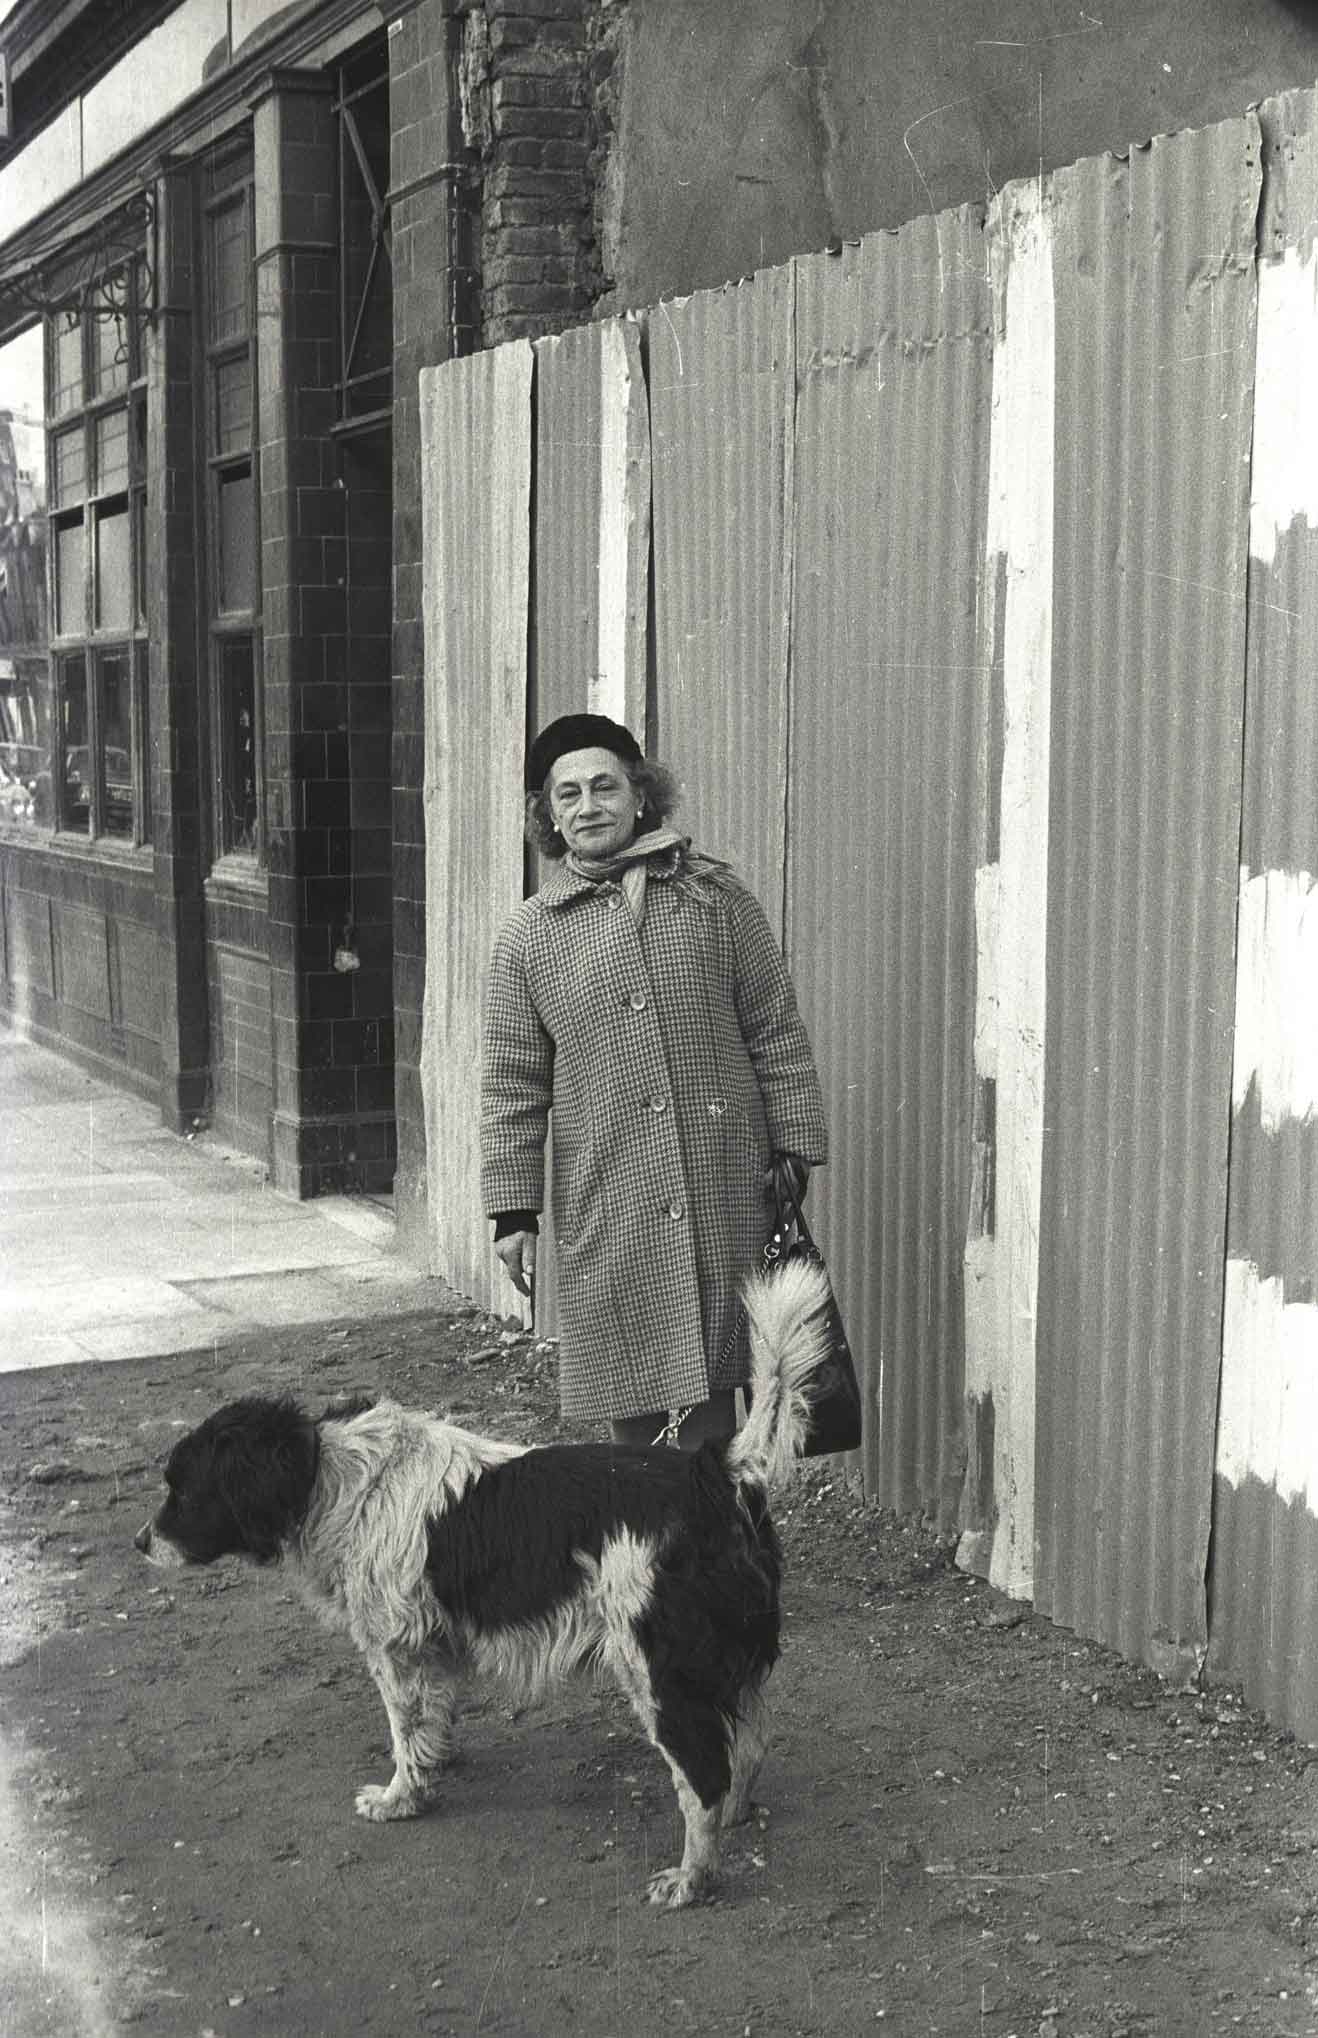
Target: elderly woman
(641, 996)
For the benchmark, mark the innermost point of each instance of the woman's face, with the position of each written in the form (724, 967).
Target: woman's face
(593, 802)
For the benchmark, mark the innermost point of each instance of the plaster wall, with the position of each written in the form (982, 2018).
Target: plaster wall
(753, 130)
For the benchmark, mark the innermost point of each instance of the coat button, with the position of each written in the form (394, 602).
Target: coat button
(613, 901)
(637, 1001)
(658, 1103)
(676, 1210)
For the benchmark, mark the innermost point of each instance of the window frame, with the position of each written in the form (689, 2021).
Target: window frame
(359, 78)
(92, 642)
(231, 189)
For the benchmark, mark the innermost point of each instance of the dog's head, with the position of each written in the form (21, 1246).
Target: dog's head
(238, 1485)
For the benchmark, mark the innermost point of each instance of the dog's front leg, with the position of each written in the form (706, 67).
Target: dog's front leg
(420, 1697)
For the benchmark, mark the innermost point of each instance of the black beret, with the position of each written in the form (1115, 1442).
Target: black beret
(577, 732)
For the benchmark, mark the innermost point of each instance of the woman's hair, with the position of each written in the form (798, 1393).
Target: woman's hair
(655, 783)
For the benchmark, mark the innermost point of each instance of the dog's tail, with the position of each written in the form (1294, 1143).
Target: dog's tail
(789, 1338)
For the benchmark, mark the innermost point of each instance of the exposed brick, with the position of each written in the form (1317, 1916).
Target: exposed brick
(529, 121)
(515, 32)
(536, 10)
(515, 180)
(522, 298)
(557, 88)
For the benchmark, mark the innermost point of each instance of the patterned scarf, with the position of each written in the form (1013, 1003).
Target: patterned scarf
(631, 865)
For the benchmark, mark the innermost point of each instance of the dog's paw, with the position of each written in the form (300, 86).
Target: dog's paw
(382, 1801)
(676, 1887)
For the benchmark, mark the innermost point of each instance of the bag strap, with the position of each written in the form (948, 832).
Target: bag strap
(787, 1213)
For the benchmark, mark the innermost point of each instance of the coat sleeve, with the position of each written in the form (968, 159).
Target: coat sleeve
(774, 1034)
(517, 1082)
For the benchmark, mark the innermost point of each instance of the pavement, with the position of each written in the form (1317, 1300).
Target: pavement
(119, 1239)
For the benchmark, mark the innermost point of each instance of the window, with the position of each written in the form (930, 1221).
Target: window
(25, 746)
(365, 259)
(96, 467)
(235, 585)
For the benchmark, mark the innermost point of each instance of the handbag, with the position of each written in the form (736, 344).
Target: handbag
(835, 1405)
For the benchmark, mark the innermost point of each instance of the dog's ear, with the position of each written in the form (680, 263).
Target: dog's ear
(265, 1466)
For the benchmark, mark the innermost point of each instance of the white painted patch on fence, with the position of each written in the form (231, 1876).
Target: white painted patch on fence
(617, 686)
(988, 973)
(1268, 1420)
(1276, 1044)
(607, 693)
(1011, 898)
(1284, 467)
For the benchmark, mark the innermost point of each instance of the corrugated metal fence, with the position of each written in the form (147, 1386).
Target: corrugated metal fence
(969, 578)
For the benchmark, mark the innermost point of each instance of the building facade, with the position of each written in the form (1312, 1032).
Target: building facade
(232, 233)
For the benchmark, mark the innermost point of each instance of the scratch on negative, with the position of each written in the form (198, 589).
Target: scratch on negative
(1091, 27)
(1227, 593)
(673, 330)
(503, 1950)
(932, 114)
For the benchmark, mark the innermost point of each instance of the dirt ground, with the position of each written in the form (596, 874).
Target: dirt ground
(974, 1823)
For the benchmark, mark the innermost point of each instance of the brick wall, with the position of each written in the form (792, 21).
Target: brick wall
(535, 100)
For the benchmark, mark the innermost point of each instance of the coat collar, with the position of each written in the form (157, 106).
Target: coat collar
(563, 885)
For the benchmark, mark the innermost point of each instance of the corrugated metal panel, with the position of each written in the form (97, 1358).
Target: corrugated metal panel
(476, 496)
(720, 419)
(1265, 1524)
(592, 524)
(888, 718)
(565, 639)
(592, 558)
(1154, 278)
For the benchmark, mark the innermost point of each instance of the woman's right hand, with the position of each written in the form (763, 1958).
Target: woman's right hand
(517, 1251)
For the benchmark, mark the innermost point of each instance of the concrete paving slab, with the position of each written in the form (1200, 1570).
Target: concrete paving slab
(121, 1240)
(116, 1298)
(145, 1340)
(47, 1348)
(303, 1296)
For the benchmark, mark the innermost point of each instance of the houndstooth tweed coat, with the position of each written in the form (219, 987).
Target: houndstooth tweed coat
(674, 1060)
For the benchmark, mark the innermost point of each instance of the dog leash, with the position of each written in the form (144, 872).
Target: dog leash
(676, 1417)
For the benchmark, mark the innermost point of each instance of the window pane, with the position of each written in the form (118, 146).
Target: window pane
(139, 558)
(112, 452)
(114, 585)
(138, 655)
(117, 741)
(229, 272)
(23, 495)
(70, 583)
(237, 589)
(141, 304)
(69, 460)
(110, 345)
(67, 393)
(76, 801)
(237, 745)
(138, 450)
(367, 340)
(24, 743)
(233, 405)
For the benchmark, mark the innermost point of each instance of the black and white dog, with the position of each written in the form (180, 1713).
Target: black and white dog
(441, 1552)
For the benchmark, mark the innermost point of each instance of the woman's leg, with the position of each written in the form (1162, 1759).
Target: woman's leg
(716, 1417)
